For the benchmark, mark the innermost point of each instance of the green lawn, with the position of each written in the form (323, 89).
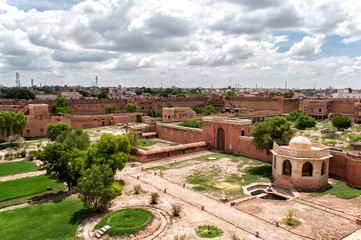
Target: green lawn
(11, 168)
(145, 143)
(126, 221)
(339, 189)
(53, 220)
(26, 186)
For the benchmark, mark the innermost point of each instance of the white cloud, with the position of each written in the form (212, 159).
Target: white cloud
(308, 47)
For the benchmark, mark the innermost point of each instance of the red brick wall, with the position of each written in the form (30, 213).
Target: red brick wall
(337, 166)
(178, 135)
(246, 148)
(353, 173)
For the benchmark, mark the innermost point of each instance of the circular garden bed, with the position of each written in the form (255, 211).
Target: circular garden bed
(126, 221)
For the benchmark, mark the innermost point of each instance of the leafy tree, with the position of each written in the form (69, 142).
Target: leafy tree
(273, 129)
(341, 122)
(133, 138)
(138, 92)
(110, 150)
(209, 110)
(12, 123)
(102, 95)
(60, 106)
(196, 109)
(230, 93)
(84, 93)
(18, 93)
(95, 187)
(304, 122)
(76, 138)
(55, 130)
(191, 123)
(110, 108)
(349, 90)
(288, 94)
(131, 107)
(294, 115)
(170, 104)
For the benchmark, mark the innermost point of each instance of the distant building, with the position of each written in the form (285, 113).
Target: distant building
(46, 97)
(71, 95)
(344, 93)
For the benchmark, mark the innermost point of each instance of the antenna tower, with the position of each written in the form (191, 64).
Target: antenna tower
(17, 80)
(96, 80)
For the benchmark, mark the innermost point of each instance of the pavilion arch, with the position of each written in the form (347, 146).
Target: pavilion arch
(220, 139)
(323, 168)
(287, 168)
(307, 169)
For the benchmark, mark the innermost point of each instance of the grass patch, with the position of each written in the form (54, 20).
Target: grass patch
(26, 186)
(11, 168)
(315, 137)
(173, 144)
(199, 188)
(145, 143)
(53, 220)
(338, 188)
(126, 221)
(208, 231)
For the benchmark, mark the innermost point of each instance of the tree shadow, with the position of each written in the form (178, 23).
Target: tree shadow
(80, 215)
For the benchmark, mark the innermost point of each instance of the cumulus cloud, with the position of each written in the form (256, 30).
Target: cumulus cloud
(308, 47)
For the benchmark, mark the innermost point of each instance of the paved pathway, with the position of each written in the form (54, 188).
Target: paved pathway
(225, 212)
(22, 175)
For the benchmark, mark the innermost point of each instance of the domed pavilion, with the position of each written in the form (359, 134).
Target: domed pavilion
(301, 164)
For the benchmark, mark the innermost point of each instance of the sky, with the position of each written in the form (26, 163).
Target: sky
(188, 43)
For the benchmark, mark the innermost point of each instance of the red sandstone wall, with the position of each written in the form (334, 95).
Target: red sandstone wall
(353, 173)
(178, 135)
(346, 106)
(246, 148)
(337, 166)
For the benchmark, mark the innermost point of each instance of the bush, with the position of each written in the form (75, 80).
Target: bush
(9, 156)
(176, 209)
(31, 155)
(154, 196)
(133, 138)
(170, 104)
(289, 220)
(341, 122)
(180, 237)
(304, 122)
(131, 107)
(117, 188)
(196, 109)
(137, 189)
(146, 129)
(110, 108)
(192, 123)
(23, 154)
(132, 158)
(208, 231)
(209, 110)
(294, 115)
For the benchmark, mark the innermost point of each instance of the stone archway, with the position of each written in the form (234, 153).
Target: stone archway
(307, 169)
(287, 168)
(220, 139)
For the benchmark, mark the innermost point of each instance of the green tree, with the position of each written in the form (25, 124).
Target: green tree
(304, 122)
(110, 150)
(349, 90)
(341, 122)
(12, 123)
(102, 95)
(294, 115)
(77, 138)
(84, 93)
(131, 107)
(209, 110)
(170, 104)
(110, 108)
(231, 93)
(95, 187)
(133, 138)
(138, 92)
(196, 109)
(60, 106)
(288, 94)
(18, 93)
(55, 130)
(192, 123)
(273, 129)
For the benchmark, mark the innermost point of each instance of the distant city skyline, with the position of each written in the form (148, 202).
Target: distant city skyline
(137, 43)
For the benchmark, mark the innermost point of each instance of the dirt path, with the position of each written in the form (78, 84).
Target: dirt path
(229, 214)
(22, 175)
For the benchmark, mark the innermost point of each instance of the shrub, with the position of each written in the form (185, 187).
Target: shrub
(110, 108)
(208, 231)
(289, 220)
(23, 153)
(117, 188)
(341, 122)
(146, 129)
(176, 209)
(154, 196)
(137, 188)
(180, 237)
(294, 115)
(170, 104)
(9, 156)
(196, 109)
(192, 123)
(133, 138)
(304, 122)
(131, 107)
(132, 158)
(209, 110)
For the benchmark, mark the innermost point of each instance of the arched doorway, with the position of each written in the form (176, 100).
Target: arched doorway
(307, 169)
(323, 169)
(287, 168)
(220, 139)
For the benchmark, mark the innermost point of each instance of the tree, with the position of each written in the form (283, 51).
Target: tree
(209, 110)
(170, 104)
(294, 115)
(95, 187)
(60, 106)
(230, 93)
(131, 107)
(304, 122)
(110, 150)
(103, 94)
(84, 93)
(288, 94)
(341, 122)
(196, 109)
(18, 93)
(110, 108)
(349, 90)
(55, 130)
(133, 138)
(12, 123)
(138, 92)
(273, 129)
(75, 139)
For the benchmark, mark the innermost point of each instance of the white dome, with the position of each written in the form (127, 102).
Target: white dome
(300, 143)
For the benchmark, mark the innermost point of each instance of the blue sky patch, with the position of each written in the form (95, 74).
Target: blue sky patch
(43, 5)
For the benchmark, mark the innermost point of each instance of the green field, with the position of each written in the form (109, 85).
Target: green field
(26, 186)
(53, 220)
(11, 168)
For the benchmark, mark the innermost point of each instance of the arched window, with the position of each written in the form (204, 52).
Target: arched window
(323, 169)
(287, 168)
(307, 169)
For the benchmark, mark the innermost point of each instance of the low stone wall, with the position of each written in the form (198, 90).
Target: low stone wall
(179, 134)
(248, 149)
